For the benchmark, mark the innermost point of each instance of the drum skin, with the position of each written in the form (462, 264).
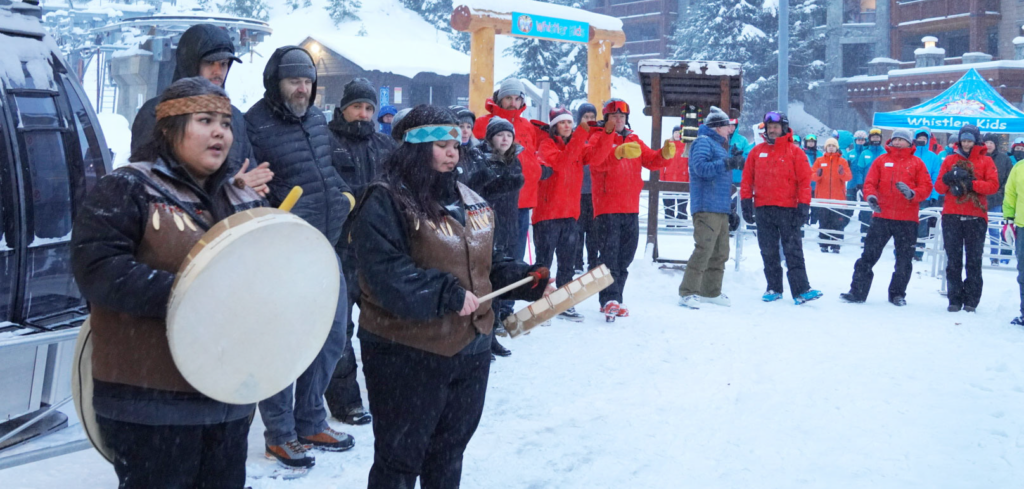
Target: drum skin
(252, 305)
(82, 389)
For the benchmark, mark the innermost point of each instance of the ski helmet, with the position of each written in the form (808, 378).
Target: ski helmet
(777, 118)
(615, 106)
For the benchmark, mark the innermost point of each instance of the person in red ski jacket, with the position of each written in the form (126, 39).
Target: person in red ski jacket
(677, 171)
(511, 102)
(966, 178)
(777, 180)
(895, 186)
(615, 162)
(831, 172)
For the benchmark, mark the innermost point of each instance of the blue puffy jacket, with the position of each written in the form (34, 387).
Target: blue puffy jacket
(931, 160)
(741, 143)
(710, 178)
(862, 164)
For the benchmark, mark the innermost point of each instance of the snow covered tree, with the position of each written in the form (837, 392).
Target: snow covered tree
(294, 5)
(343, 10)
(252, 9)
(621, 66)
(438, 13)
(806, 49)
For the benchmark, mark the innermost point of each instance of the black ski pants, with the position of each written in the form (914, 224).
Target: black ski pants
(556, 235)
(210, 456)
(586, 234)
(904, 234)
(343, 390)
(781, 226)
(964, 235)
(425, 409)
(618, 236)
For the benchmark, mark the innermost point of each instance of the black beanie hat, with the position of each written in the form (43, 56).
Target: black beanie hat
(358, 90)
(496, 125)
(585, 108)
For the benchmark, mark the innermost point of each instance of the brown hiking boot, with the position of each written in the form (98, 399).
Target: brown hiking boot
(329, 440)
(291, 454)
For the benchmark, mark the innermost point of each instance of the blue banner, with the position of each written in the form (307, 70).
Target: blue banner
(972, 100)
(385, 98)
(538, 26)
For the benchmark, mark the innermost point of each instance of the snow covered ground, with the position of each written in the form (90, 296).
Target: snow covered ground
(753, 396)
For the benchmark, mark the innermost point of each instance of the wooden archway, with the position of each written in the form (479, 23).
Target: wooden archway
(483, 25)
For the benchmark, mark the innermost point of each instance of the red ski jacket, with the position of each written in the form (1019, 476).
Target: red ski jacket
(832, 183)
(894, 166)
(986, 182)
(616, 184)
(777, 174)
(528, 136)
(679, 169)
(558, 197)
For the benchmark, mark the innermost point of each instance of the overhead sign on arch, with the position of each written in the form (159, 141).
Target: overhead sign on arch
(541, 27)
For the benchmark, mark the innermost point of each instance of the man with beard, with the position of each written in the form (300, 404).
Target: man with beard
(286, 130)
(358, 151)
(207, 51)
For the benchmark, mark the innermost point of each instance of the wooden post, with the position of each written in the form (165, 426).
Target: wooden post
(481, 69)
(726, 95)
(653, 185)
(599, 72)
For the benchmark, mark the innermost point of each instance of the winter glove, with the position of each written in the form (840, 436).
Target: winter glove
(747, 206)
(546, 172)
(668, 151)
(628, 151)
(968, 185)
(736, 161)
(540, 276)
(803, 211)
(905, 190)
(841, 170)
(873, 202)
(821, 172)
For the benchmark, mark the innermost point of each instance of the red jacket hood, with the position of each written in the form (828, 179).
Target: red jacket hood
(900, 153)
(506, 114)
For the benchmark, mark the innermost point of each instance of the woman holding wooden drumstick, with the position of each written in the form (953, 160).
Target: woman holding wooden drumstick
(425, 251)
(129, 239)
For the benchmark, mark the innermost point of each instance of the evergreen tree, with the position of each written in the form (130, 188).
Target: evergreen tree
(806, 49)
(343, 10)
(621, 66)
(563, 63)
(438, 13)
(252, 9)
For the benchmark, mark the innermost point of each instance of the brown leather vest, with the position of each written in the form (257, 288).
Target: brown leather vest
(463, 251)
(133, 350)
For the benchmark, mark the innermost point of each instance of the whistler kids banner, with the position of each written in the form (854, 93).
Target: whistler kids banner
(530, 25)
(971, 100)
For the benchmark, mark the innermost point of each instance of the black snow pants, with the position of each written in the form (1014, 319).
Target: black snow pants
(904, 234)
(556, 235)
(586, 234)
(208, 456)
(964, 235)
(425, 409)
(618, 236)
(781, 226)
(343, 390)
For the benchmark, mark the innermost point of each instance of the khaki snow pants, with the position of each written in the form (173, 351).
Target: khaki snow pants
(706, 267)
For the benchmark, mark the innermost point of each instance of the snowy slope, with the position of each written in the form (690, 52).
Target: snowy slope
(755, 396)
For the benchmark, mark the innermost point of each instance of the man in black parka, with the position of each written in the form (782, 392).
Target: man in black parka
(206, 50)
(358, 153)
(288, 131)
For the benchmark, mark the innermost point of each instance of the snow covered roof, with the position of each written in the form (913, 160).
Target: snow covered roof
(883, 60)
(20, 24)
(391, 55)
(501, 9)
(714, 68)
(25, 55)
(1003, 64)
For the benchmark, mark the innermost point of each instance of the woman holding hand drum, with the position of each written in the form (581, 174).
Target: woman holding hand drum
(425, 251)
(130, 238)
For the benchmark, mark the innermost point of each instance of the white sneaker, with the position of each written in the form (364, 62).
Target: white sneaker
(721, 300)
(690, 302)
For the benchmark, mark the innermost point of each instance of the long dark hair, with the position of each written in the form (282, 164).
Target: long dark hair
(169, 131)
(409, 171)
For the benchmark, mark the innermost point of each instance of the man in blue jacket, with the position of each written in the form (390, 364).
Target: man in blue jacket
(922, 141)
(860, 167)
(710, 199)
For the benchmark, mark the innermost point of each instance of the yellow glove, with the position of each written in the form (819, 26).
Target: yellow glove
(668, 151)
(628, 151)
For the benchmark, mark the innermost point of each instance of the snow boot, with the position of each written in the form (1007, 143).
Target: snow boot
(970, 309)
(898, 301)
(850, 298)
(623, 312)
(1018, 321)
(808, 296)
(291, 454)
(329, 440)
(571, 315)
(690, 302)
(499, 350)
(771, 296)
(610, 311)
(355, 416)
(954, 308)
(721, 300)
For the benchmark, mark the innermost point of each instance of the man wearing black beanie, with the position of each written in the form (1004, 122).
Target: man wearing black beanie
(585, 114)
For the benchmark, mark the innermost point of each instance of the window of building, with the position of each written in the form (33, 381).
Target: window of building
(858, 11)
(855, 59)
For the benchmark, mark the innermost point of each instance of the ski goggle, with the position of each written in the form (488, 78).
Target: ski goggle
(810, 137)
(616, 106)
(773, 117)
(876, 131)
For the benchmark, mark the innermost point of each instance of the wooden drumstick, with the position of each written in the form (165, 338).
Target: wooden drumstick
(291, 199)
(506, 288)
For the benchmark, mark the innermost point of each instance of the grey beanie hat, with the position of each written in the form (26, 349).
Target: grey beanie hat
(716, 118)
(510, 87)
(496, 125)
(902, 134)
(296, 63)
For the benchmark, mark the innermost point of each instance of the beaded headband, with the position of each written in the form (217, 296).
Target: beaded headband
(193, 105)
(431, 133)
